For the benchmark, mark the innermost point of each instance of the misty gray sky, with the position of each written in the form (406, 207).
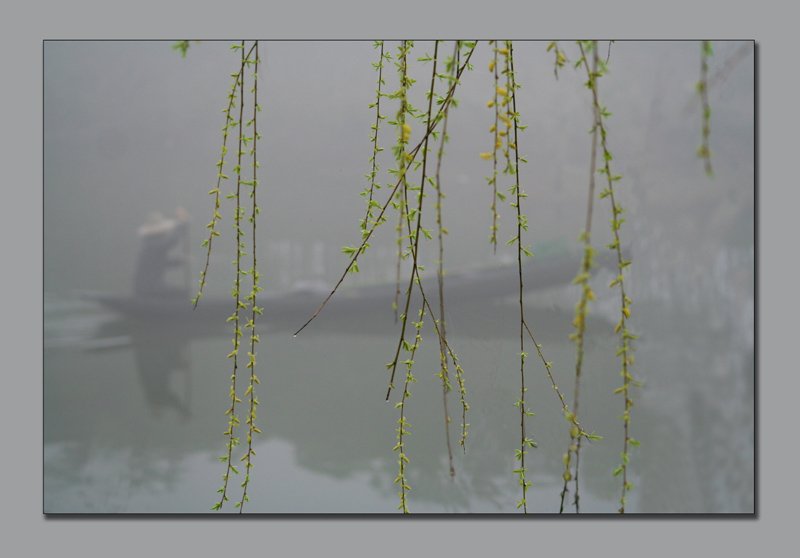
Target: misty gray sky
(131, 128)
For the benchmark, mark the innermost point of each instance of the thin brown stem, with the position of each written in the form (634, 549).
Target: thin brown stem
(252, 297)
(439, 197)
(583, 278)
(413, 242)
(375, 149)
(233, 422)
(220, 176)
(524, 442)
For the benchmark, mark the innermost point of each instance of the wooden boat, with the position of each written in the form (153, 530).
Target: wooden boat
(292, 308)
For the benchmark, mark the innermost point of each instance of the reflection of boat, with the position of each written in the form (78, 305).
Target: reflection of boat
(341, 357)
(484, 285)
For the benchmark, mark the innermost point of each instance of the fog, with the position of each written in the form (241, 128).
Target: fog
(132, 127)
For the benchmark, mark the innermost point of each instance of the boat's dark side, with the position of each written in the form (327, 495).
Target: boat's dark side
(296, 306)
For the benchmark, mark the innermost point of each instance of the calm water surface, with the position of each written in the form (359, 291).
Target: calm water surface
(134, 415)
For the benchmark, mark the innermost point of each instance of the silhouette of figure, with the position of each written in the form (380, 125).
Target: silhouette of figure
(159, 235)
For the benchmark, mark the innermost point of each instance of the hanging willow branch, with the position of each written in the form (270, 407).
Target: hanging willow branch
(373, 185)
(229, 123)
(581, 308)
(252, 296)
(704, 152)
(511, 120)
(444, 374)
(240, 303)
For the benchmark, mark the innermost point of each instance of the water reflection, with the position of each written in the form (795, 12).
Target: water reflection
(323, 410)
(335, 420)
(159, 368)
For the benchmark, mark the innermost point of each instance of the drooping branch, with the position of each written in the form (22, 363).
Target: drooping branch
(581, 308)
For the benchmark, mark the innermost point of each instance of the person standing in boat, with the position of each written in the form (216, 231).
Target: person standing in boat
(159, 236)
